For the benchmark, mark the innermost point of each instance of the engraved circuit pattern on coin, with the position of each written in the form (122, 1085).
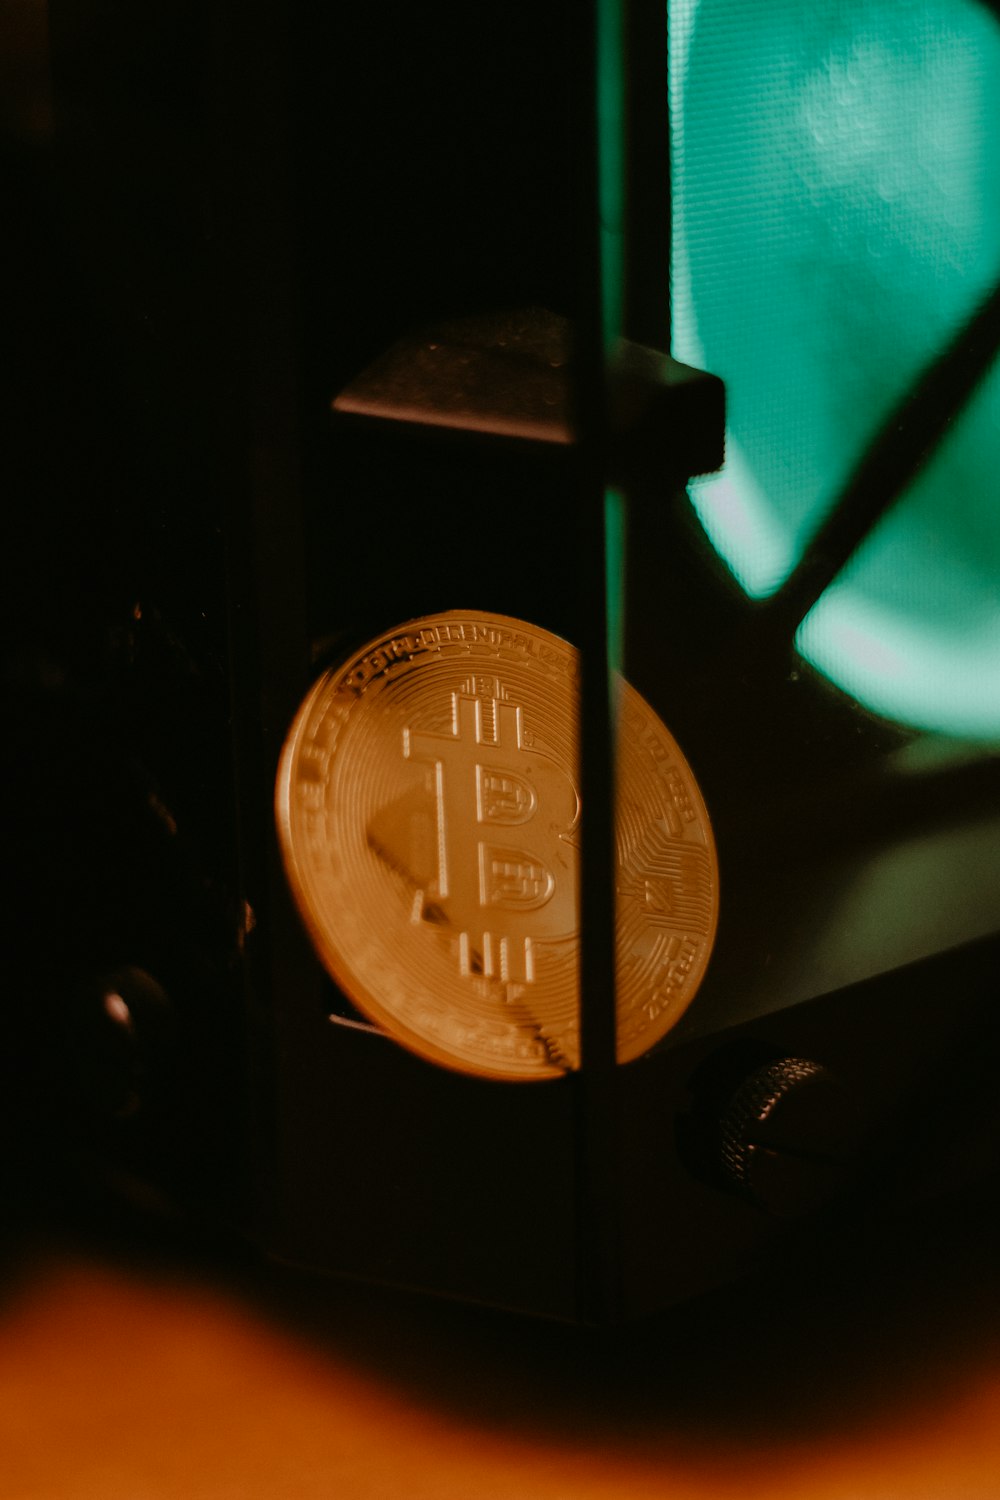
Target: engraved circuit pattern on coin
(429, 817)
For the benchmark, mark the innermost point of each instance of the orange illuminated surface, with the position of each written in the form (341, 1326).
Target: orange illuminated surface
(150, 1383)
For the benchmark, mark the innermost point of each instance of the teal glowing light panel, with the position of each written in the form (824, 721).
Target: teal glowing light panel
(836, 218)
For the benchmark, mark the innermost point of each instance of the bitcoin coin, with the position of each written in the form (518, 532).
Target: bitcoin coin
(429, 816)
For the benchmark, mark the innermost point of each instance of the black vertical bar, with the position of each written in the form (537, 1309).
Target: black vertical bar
(596, 1083)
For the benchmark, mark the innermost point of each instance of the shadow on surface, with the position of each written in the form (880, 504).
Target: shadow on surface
(887, 1327)
(890, 1326)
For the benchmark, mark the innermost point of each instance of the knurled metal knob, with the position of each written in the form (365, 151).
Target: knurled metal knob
(789, 1136)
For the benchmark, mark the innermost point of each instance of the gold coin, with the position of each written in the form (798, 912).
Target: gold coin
(429, 817)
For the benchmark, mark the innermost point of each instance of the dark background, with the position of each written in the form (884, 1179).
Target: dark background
(202, 246)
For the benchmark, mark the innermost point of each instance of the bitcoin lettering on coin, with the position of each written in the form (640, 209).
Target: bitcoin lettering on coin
(429, 816)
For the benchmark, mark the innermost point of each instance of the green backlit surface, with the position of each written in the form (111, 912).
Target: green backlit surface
(614, 569)
(836, 188)
(912, 625)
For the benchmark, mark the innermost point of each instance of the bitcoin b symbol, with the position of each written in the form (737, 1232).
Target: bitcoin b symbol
(506, 819)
